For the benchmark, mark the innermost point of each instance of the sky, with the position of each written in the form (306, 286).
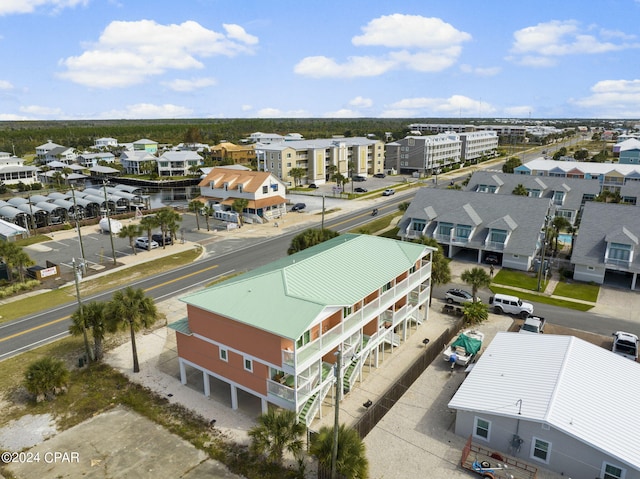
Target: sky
(143, 59)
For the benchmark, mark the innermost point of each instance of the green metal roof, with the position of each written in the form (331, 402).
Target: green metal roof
(285, 297)
(181, 326)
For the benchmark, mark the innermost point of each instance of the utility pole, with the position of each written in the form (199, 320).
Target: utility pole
(106, 205)
(336, 423)
(76, 271)
(322, 222)
(75, 214)
(544, 247)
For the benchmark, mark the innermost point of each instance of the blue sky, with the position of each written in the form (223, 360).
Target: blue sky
(139, 59)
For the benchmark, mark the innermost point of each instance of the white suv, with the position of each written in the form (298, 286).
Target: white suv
(503, 303)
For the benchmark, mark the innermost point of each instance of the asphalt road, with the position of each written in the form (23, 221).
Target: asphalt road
(27, 333)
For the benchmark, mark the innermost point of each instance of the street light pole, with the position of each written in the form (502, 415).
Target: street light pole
(544, 246)
(75, 214)
(322, 222)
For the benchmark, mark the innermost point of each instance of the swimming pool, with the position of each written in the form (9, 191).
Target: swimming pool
(564, 238)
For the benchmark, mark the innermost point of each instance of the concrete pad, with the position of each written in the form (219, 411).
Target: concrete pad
(118, 443)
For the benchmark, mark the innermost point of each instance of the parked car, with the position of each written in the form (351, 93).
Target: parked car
(359, 178)
(626, 345)
(143, 242)
(533, 325)
(312, 185)
(298, 207)
(388, 192)
(360, 190)
(158, 239)
(504, 303)
(460, 296)
(492, 259)
(379, 175)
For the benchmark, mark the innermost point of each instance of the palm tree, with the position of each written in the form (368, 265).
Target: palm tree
(297, 174)
(475, 312)
(196, 206)
(46, 377)
(277, 431)
(57, 177)
(165, 218)
(520, 190)
(309, 238)
(477, 278)
(440, 271)
(131, 232)
(239, 205)
(558, 224)
(147, 223)
(352, 460)
(66, 171)
(130, 308)
(207, 211)
(21, 261)
(93, 316)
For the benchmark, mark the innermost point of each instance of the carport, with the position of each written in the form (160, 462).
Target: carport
(14, 215)
(39, 215)
(54, 211)
(117, 202)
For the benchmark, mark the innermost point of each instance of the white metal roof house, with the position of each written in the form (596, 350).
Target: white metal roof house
(556, 401)
(608, 244)
(462, 222)
(178, 163)
(273, 332)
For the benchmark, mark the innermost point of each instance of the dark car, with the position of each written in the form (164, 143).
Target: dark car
(359, 178)
(380, 175)
(312, 185)
(360, 190)
(158, 239)
(298, 207)
(492, 259)
(459, 296)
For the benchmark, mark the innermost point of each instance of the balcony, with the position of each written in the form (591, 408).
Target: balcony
(618, 263)
(494, 245)
(459, 240)
(331, 338)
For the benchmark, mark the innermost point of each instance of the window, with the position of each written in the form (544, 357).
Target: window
(346, 311)
(463, 232)
(387, 286)
(540, 450)
(498, 236)
(224, 355)
(265, 190)
(609, 471)
(418, 225)
(619, 251)
(482, 429)
(248, 365)
(304, 339)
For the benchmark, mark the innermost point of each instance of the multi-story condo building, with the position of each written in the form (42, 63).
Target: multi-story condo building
(425, 155)
(274, 332)
(13, 170)
(236, 154)
(350, 157)
(478, 144)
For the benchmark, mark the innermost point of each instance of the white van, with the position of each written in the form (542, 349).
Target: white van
(504, 303)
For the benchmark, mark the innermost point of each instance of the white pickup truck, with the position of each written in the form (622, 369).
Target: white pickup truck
(533, 325)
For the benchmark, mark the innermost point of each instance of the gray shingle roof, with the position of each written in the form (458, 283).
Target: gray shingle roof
(601, 222)
(524, 216)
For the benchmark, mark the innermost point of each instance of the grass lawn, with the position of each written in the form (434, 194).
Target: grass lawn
(57, 297)
(583, 291)
(517, 279)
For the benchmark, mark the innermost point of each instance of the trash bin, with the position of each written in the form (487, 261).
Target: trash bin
(80, 361)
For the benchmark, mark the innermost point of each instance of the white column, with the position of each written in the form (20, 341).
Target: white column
(183, 372)
(207, 385)
(265, 406)
(234, 397)
(633, 281)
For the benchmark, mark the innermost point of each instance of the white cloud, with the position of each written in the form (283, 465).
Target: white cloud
(41, 112)
(409, 31)
(13, 117)
(544, 43)
(480, 71)
(323, 67)
(415, 43)
(343, 113)
(246, 107)
(612, 99)
(452, 106)
(361, 102)
(148, 111)
(236, 32)
(9, 7)
(127, 53)
(277, 113)
(190, 85)
(5, 85)
(518, 111)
